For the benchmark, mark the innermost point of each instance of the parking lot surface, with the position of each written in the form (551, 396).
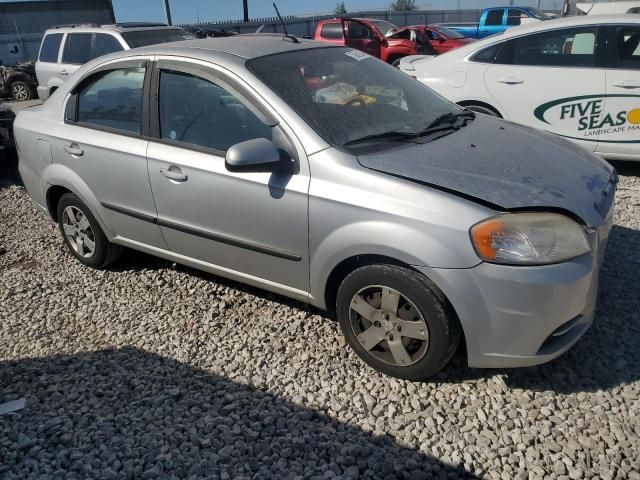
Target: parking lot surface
(153, 370)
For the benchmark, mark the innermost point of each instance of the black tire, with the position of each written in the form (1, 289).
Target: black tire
(105, 252)
(478, 108)
(22, 91)
(443, 328)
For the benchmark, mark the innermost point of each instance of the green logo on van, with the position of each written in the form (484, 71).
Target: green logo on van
(611, 118)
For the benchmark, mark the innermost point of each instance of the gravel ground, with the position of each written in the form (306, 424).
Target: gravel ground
(153, 370)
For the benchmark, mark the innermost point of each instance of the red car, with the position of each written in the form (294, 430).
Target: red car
(440, 38)
(375, 37)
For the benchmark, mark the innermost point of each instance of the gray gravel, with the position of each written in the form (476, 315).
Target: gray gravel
(153, 370)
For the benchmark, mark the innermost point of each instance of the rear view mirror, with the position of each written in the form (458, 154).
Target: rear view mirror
(257, 155)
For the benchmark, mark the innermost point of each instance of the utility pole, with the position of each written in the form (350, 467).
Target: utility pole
(167, 12)
(245, 9)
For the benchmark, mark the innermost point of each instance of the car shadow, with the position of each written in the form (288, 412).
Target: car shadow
(608, 356)
(127, 413)
(135, 261)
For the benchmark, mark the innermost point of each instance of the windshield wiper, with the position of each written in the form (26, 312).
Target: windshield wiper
(450, 119)
(445, 122)
(390, 135)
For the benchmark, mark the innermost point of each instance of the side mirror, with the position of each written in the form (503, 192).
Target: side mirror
(384, 42)
(257, 155)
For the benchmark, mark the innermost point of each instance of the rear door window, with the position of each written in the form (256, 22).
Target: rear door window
(628, 48)
(358, 31)
(50, 48)
(113, 99)
(331, 31)
(494, 17)
(77, 48)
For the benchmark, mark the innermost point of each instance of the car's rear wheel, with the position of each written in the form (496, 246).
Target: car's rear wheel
(22, 91)
(82, 234)
(397, 321)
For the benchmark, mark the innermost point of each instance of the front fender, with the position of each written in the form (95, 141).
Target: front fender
(376, 238)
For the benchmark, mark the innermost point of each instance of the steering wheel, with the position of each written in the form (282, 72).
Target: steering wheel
(356, 101)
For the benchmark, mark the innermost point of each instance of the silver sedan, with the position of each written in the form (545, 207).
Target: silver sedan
(325, 175)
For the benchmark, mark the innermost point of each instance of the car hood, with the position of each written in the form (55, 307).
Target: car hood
(509, 167)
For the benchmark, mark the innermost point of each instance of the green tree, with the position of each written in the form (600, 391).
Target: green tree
(341, 9)
(403, 5)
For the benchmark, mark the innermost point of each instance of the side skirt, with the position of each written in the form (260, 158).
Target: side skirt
(274, 287)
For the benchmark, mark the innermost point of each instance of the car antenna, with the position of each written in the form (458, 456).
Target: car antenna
(284, 27)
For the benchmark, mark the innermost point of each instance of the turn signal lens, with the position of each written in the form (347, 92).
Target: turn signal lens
(529, 239)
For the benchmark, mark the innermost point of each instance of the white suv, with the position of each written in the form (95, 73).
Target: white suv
(65, 48)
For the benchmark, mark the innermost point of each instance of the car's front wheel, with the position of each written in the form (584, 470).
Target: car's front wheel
(397, 321)
(82, 234)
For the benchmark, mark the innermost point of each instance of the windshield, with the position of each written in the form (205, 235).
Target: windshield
(387, 28)
(345, 94)
(535, 13)
(447, 32)
(142, 38)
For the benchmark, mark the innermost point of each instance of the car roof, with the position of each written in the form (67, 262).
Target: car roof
(245, 46)
(116, 27)
(569, 22)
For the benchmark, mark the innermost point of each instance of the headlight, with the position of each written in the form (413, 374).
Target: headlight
(529, 239)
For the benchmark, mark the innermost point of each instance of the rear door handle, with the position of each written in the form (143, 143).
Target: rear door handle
(74, 149)
(174, 173)
(64, 72)
(627, 84)
(510, 81)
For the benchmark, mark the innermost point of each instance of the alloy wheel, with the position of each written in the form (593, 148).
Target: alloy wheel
(19, 92)
(389, 326)
(78, 231)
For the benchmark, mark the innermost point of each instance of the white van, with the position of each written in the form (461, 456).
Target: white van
(65, 48)
(577, 77)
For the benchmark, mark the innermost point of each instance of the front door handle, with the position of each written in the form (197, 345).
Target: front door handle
(627, 84)
(64, 72)
(510, 81)
(74, 150)
(174, 173)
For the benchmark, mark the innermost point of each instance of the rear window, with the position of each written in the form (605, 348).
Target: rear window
(487, 55)
(50, 47)
(142, 38)
(331, 30)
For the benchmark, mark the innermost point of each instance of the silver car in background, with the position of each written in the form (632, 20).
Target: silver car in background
(325, 175)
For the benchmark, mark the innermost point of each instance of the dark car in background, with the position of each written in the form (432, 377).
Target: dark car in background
(18, 81)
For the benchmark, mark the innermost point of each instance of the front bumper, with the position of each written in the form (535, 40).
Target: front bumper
(522, 316)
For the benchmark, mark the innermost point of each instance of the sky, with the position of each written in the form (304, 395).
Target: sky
(187, 11)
